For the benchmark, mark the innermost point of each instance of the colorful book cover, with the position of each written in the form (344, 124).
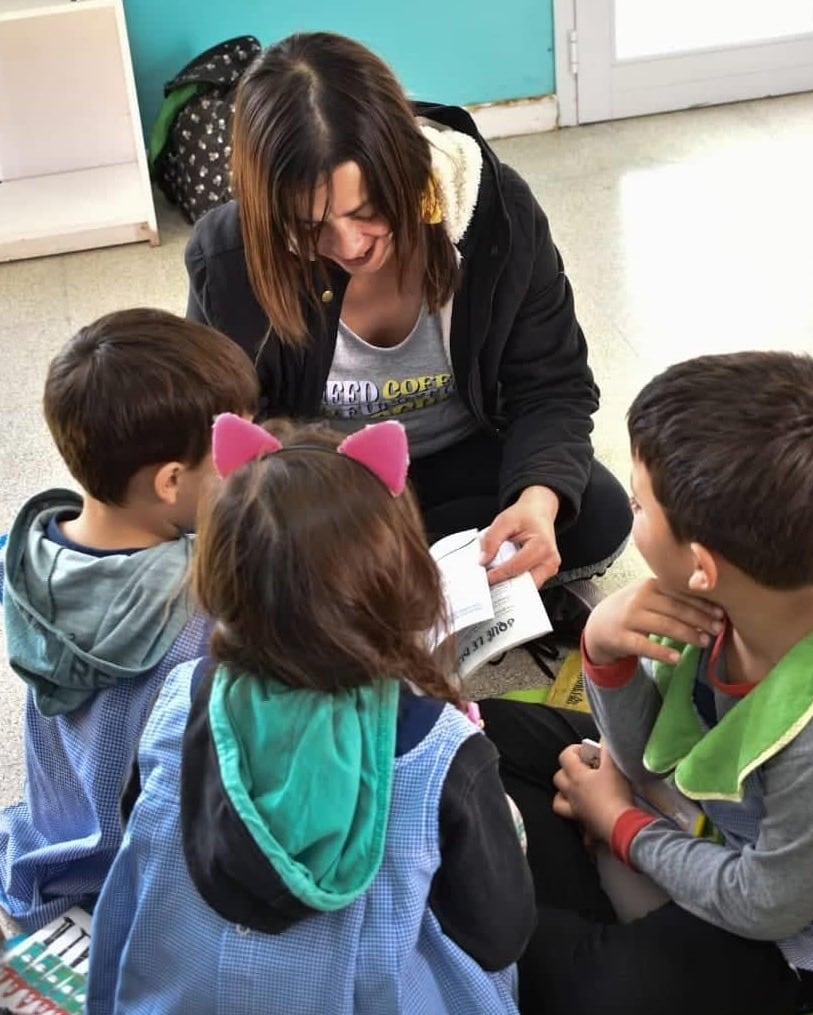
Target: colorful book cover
(567, 690)
(46, 972)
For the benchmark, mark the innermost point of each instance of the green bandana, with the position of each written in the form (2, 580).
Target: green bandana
(713, 765)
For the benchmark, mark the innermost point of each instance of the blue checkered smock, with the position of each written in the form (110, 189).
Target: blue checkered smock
(158, 948)
(57, 845)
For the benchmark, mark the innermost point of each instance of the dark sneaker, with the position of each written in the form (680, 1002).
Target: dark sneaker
(568, 607)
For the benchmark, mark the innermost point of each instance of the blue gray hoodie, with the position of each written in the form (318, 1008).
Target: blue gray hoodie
(77, 623)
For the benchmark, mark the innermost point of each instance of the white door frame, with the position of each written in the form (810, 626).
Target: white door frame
(604, 90)
(564, 24)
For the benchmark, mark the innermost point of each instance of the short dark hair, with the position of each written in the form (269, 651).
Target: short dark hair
(140, 387)
(728, 444)
(315, 575)
(305, 106)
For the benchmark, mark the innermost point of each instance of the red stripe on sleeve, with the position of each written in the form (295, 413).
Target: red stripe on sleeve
(628, 824)
(613, 674)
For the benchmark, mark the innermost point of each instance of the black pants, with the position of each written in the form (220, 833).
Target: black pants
(457, 489)
(581, 961)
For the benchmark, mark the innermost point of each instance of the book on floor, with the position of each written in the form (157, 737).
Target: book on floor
(486, 620)
(46, 972)
(567, 689)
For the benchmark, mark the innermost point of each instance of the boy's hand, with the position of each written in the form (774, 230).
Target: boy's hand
(593, 796)
(620, 625)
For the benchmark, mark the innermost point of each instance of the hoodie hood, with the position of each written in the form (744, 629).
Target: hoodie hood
(76, 622)
(285, 796)
(457, 165)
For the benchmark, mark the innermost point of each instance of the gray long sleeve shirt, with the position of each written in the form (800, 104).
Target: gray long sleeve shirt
(757, 883)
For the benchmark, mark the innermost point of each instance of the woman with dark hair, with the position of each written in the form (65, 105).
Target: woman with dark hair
(380, 262)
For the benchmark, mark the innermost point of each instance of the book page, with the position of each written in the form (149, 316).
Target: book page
(518, 616)
(487, 619)
(465, 582)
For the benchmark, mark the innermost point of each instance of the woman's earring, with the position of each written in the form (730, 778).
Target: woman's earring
(431, 211)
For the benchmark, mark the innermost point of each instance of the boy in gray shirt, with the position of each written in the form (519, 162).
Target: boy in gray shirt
(702, 674)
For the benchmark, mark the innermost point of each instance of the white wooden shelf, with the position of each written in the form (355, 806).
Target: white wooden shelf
(73, 171)
(16, 9)
(72, 211)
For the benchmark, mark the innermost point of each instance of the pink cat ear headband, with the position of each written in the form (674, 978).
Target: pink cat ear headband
(381, 448)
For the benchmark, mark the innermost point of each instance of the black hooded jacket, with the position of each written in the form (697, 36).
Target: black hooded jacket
(518, 354)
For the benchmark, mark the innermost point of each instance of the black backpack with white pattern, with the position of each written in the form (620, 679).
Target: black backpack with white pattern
(190, 145)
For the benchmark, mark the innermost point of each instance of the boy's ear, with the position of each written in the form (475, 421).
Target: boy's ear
(167, 481)
(705, 572)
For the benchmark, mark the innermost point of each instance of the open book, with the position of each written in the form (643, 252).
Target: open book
(46, 972)
(487, 619)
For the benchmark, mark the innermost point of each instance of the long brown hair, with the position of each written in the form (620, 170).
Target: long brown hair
(305, 106)
(316, 575)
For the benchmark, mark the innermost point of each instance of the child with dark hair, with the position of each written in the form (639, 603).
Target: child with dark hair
(702, 674)
(320, 828)
(92, 586)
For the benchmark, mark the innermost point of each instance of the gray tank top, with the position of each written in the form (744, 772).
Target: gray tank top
(411, 382)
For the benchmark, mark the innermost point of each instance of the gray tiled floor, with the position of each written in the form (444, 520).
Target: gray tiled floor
(682, 234)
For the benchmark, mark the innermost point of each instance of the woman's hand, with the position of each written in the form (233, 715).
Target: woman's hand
(621, 625)
(529, 523)
(593, 796)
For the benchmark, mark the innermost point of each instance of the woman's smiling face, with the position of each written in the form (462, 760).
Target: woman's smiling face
(346, 227)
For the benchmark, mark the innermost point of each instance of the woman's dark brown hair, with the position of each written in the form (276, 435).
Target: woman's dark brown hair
(306, 106)
(315, 575)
